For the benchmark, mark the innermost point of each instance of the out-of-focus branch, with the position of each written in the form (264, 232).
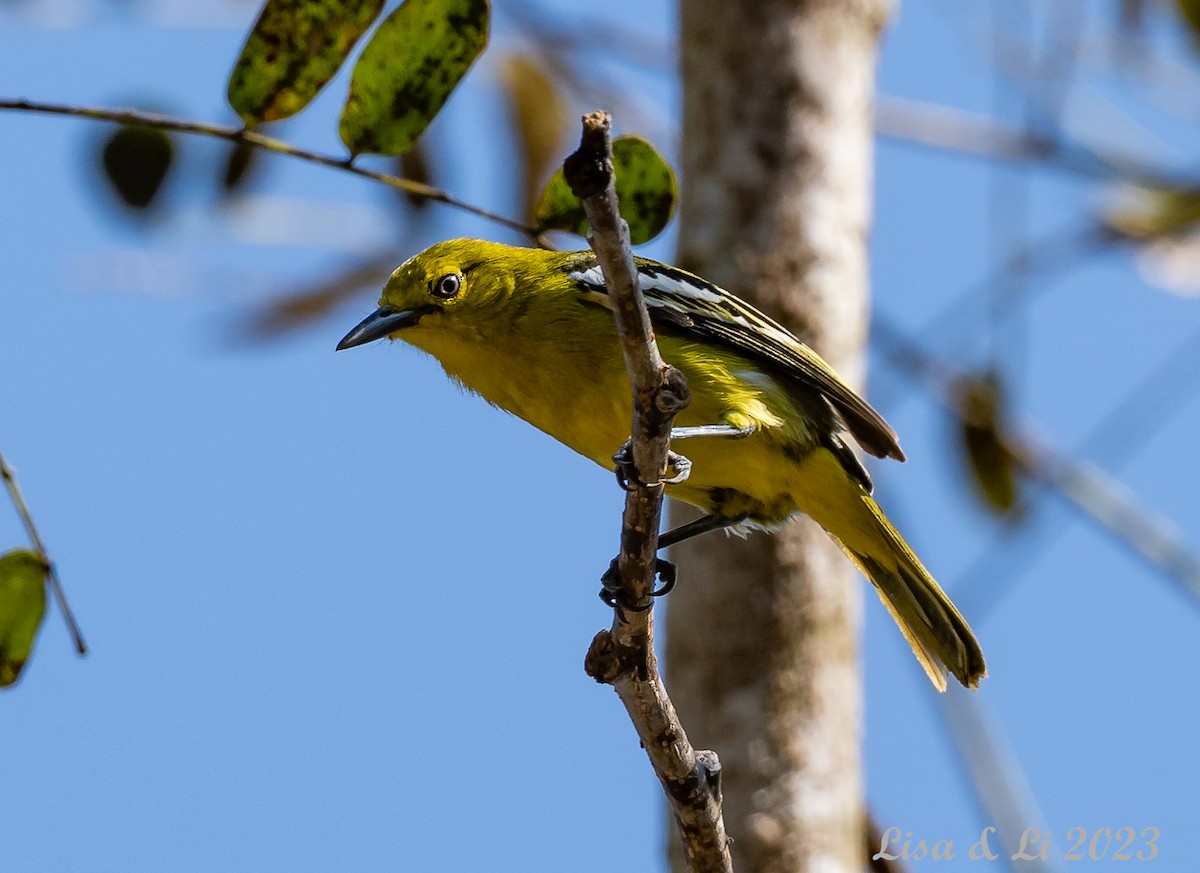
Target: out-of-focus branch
(1111, 506)
(1084, 486)
(968, 133)
(956, 130)
(624, 655)
(1019, 833)
(300, 306)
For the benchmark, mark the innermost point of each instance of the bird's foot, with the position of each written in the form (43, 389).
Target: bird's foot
(613, 593)
(626, 472)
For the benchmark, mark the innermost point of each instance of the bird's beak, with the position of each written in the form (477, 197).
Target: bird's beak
(384, 321)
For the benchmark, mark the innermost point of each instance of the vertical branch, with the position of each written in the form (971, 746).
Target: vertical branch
(18, 500)
(623, 656)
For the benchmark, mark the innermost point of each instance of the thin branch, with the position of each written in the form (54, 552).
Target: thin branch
(298, 307)
(258, 140)
(956, 130)
(1119, 167)
(623, 656)
(14, 491)
(1111, 506)
(999, 783)
(1042, 258)
(1146, 407)
(967, 133)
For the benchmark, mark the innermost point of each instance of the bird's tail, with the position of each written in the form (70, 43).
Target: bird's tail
(937, 632)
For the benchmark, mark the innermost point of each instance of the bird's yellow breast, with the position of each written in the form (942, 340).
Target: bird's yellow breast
(571, 383)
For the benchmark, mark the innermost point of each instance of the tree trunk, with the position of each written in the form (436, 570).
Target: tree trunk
(762, 634)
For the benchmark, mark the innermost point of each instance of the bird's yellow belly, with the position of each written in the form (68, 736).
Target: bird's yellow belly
(755, 476)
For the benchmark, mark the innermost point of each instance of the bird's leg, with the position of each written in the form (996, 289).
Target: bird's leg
(623, 459)
(701, 525)
(611, 591)
(709, 430)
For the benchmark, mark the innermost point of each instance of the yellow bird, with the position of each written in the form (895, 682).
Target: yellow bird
(532, 332)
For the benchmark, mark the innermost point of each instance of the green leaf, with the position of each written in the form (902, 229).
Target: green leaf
(407, 71)
(240, 160)
(1143, 213)
(294, 48)
(22, 606)
(983, 411)
(136, 160)
(646, 191)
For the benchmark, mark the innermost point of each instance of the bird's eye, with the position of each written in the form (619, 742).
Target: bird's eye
(447, 286)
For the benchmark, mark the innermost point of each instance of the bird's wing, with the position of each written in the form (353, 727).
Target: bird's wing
(687, 305)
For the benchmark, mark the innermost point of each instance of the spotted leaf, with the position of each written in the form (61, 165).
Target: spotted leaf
(295, 47)
(414, 60)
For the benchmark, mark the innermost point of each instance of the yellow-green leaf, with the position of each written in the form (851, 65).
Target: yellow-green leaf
(22, 606)
(646, 191)
(294, 48)
(1152, 213)
(983, 415)
(136, 160)
(407, 71)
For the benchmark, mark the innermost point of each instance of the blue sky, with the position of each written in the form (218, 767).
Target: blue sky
(305, 576)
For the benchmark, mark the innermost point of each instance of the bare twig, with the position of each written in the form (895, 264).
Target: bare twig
(1113, 508)
(258, 140)
(623, 656)
(18, 500)
(288, 311)
(999, 783)
(955, 130)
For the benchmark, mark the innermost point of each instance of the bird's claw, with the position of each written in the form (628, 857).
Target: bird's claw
(683, 468)
(614, 595)
(667, 574)
(626, 472)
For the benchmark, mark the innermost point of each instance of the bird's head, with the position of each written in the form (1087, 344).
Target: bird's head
(460, 282)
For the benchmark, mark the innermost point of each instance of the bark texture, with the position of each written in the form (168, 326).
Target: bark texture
(762, 634)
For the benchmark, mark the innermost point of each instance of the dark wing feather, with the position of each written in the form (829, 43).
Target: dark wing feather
(778, 350)
(686, 305)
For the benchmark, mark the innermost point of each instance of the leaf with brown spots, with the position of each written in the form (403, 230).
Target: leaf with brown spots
(295, 47)
(415, 59)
